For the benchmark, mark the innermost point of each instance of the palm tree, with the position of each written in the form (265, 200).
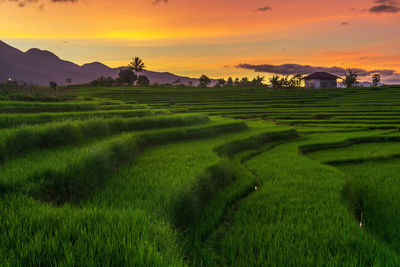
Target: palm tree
(351, 79)
(376, 78)
(258, 81)
(229, 82)
(244, 82)
(276, 81)
(236, 82)
(296, 80)
(137, 65)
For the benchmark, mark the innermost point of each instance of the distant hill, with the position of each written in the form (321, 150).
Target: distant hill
(40, 67)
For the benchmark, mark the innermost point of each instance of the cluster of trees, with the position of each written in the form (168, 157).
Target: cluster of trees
(13, 87)
(24, 92)
(276, 81)
(127, 76)
(351, 79)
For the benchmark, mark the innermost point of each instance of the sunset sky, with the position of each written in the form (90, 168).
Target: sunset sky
(219, 38)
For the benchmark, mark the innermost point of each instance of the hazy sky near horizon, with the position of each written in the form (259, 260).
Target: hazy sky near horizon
(192, 37)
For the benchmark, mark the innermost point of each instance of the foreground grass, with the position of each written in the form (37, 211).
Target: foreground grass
(18, 140)
(185, 190)
(357, 151)
(297, 218)
(34, 234)
(145, 192)
(373, 189)
(14, 120)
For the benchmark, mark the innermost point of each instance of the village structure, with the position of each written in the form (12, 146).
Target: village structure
(319, 80)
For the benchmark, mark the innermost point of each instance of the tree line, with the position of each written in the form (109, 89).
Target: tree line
(128, 76)
(278, 82)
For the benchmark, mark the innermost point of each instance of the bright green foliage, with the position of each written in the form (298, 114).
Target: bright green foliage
(110, 176)
(34, 234)
(375, 188)
(13, 120)
(297, 218)
(363, 151)
(18, 140)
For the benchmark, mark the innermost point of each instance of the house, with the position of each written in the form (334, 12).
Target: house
(319, 80)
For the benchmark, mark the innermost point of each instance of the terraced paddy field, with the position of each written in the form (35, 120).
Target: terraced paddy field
(202, 177)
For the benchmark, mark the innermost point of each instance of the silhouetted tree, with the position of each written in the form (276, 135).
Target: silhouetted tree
(137, 65)
(376, 78)
(220, 83)
(103, 81)
(236, 82)
(229, 82)
(285, 82)
(296, 80)
(244, 82)
(68, 80)
(127, 76)
(258, 81)
(351, 79)
(118, 81)
(143, 81)
(276, 81)
(204, 81)
(53, 85)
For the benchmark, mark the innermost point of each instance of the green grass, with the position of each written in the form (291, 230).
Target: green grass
(373, 189)
(14, 120)
(153, 192)
(34, 234)
(115, 178)
(18, 140)
(297, 218)
(357, 151)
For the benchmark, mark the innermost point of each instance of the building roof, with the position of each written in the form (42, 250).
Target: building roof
(321, 76)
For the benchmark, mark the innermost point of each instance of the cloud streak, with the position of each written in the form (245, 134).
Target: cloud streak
(23, 3)
(264, 9)
(159, 1)
(291, 69)
(385, 6)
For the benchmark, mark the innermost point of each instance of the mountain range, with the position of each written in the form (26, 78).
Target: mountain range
(39, 67)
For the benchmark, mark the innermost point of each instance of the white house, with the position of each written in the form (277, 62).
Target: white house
(319, 80)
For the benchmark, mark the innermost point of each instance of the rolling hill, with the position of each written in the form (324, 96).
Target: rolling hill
(40, 67)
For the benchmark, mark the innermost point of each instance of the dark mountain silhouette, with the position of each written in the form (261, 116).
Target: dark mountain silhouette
(40, 67)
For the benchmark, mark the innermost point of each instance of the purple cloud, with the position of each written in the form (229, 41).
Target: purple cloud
(291, 69)
(385, 6)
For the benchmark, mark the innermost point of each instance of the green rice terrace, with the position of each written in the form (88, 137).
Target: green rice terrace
(163, 176)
